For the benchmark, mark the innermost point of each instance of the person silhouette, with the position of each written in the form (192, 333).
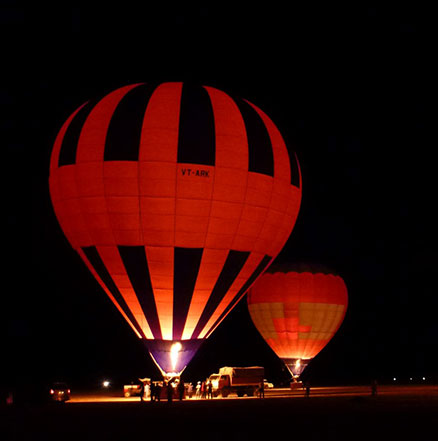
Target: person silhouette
(181, 390)
(209, 390)
(262, 390)
(307, 389)
(169, 392)
(147, 391)
(374, 388)
(158, 388)
(142, 392)
(152, 391)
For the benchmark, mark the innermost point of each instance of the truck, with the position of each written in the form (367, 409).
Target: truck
(131, 390)
(135, 388)
(239, 380)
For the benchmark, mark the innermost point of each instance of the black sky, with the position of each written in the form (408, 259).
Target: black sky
(350, 91)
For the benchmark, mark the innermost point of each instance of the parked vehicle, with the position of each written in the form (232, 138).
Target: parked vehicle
(59, 392)
(131, 390)
(239, 380)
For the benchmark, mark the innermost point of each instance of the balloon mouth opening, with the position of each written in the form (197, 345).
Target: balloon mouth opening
(172, 356)
(296, 366)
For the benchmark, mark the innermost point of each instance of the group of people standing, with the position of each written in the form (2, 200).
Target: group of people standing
(174, 389)
(204, 389)
(150, 390)
(155, 390)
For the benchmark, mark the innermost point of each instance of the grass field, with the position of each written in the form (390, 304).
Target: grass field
(390, 417)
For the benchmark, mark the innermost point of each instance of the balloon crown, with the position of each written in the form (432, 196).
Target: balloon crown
(301, 267)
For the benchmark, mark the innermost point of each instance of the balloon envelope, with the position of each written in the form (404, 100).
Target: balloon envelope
(177, 198)
(297, 310)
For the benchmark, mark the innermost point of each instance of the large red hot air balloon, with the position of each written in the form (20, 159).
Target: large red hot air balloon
(297, 309)
(176, 197)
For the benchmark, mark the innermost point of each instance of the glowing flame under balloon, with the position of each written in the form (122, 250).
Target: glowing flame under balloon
(174, 353)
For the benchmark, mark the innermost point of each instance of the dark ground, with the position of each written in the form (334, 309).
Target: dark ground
(315, 418)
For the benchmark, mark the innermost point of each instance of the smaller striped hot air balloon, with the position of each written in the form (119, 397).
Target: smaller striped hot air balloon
(297, 309)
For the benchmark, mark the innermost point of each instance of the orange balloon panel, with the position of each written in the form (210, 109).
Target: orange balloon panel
(297, 313)
(177, 198)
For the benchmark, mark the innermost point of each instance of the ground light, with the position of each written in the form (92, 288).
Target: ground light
(105, 383)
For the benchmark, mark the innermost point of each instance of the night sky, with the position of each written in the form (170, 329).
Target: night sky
(350, 91)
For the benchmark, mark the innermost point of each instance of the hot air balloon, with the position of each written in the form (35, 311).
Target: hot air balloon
(176, 197)
(297, 309)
